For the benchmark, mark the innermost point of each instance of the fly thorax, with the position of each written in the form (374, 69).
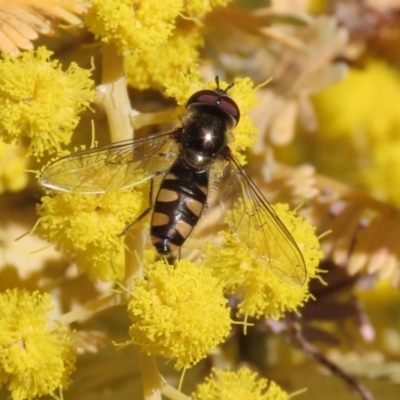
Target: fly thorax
(204, 135)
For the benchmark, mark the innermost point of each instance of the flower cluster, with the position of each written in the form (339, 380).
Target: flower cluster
(372, 125)
(178, 312)
(243, 384)
(266, 290)
(35, 359)
(158, 44)
(161, 67)
(40, 101)
(90, 227)
(133, 25)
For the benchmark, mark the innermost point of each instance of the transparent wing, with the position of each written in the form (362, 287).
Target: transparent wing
(258, 227)
(113, 167)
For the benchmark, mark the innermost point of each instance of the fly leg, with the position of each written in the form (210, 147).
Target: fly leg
(175, 256)
(143, 214)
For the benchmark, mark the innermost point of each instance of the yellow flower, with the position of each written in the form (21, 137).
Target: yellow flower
(35, 359)
(240, 385)
(188, 83)
(13, 176)
(40, 101)
(133, 25)
(90, 226)
(261, 292)
(352, 105)
(161, 66)
(383, 177)
(360, 123)
(197, 8)
(178, 312)
(245, 133)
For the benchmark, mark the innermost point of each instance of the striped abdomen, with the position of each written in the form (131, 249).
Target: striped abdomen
(178, 206)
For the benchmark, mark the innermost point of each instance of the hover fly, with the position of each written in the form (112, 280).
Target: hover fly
(183, 157)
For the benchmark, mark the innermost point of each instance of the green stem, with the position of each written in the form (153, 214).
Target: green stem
(173, 394)
(151, 379)
(92, 308)
(112, 94)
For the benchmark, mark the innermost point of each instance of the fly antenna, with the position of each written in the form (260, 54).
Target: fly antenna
(227, 88)
(217, 81)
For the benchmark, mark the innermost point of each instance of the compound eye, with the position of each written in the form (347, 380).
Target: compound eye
(216, 98)
(227, 104)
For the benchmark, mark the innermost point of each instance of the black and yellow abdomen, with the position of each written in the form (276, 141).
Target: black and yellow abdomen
(178, 206)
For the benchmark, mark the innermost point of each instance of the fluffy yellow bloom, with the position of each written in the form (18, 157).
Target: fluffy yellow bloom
(188, 83)
(362, 103)
(13, 161)
(90, 226)
(245, 133)
(133, 24)
(383, 178)
(197, 8)
(35, 359)
(178, 312)
(240, 385)
(360, 121)
(40, 101)
(260, 291)
(161, 66)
